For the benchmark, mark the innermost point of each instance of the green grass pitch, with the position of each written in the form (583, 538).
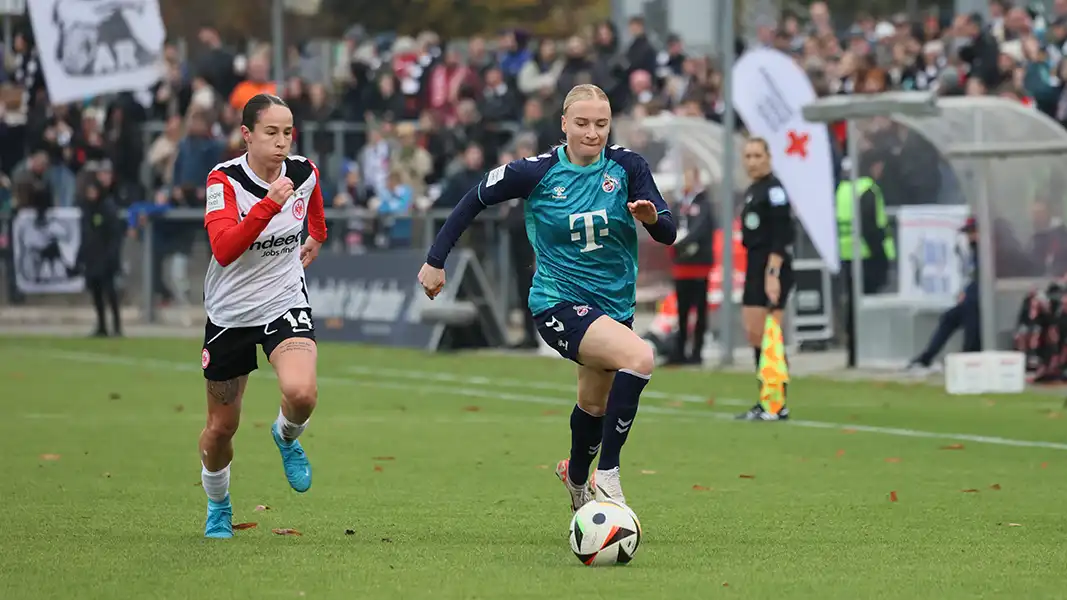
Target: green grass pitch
(433, 479)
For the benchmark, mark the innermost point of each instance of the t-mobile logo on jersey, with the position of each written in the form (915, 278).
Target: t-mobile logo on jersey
(589, 223)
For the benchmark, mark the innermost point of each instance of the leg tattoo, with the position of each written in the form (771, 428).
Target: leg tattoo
(224, 392)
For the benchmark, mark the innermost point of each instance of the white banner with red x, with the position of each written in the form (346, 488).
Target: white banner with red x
(769, 90)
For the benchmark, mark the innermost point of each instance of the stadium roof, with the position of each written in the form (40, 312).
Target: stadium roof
(1011, 183)
(983, 119)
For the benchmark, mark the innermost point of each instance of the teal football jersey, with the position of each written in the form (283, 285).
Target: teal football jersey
(583, 235)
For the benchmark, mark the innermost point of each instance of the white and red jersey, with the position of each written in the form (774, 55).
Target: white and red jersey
(255, 273)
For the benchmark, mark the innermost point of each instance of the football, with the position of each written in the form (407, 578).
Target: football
(605, 533)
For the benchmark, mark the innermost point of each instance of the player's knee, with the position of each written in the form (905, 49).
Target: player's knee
(640, 359)
(754, 335)
(301, 394)
(221, 429)
(755, 338)
(594, 407)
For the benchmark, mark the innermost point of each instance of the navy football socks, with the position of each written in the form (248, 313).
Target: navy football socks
(586, 432)
(622, 408)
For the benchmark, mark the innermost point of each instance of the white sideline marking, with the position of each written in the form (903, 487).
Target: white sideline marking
(467, 419)
(528, 384)
(90, 357)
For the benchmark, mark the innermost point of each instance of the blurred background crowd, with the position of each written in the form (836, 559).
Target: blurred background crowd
(400, 124)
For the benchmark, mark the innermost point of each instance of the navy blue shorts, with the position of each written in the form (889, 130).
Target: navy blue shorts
(564, 325)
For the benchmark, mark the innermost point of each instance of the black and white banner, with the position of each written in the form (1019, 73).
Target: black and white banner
(93, 47)
(375, 299)
(45, 251)
(372, 298)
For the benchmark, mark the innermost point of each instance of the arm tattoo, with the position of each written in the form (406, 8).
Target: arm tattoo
(224, 392)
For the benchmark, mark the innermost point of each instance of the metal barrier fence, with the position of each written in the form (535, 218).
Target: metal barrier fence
(179, 234)
(328, 143)
(173, 245)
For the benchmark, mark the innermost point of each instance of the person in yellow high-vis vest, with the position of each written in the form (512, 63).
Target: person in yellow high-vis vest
(876, 249)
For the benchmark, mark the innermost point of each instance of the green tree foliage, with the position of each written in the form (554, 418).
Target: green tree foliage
(461, 18)
(847, 9)
(237, 18)
(449, 18)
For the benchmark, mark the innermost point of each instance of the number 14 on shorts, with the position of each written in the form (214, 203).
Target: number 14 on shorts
(299, 321)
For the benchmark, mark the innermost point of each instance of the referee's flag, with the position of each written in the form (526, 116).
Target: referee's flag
(773, 372)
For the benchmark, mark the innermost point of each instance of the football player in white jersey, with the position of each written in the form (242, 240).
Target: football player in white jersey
(254, 295)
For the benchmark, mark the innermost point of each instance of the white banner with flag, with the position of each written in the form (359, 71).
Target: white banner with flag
(93, 47)
(934, 255)
(46, 251)
(769, 91)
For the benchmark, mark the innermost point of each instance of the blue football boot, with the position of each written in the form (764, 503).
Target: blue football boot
(219, 519)
(297, 467)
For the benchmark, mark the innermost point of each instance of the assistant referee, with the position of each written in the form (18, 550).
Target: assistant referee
(768, 235)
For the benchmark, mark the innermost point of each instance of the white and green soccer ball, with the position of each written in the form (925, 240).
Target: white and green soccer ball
(605, 533)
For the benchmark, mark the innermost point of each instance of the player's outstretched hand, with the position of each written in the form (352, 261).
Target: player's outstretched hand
(432, 280)
(309, 251)
(281, 190)
(644, 211)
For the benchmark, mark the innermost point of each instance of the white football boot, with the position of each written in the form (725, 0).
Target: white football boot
(580, 494)
(607, 486)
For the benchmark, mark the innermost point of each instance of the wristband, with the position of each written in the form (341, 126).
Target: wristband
(773, 271)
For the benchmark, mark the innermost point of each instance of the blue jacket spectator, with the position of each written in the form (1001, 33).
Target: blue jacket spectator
(394, 207)
(198, 153)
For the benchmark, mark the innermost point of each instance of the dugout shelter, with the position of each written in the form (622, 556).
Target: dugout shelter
(1002, 159)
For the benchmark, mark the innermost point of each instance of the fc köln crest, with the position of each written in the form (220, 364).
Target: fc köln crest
(582, 310)
(610, 184)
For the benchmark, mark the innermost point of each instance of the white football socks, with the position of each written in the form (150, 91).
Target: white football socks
(217, 484)
(289, 430)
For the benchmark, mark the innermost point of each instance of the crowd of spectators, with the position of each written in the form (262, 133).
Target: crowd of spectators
(1015, 52)
(426, 118)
